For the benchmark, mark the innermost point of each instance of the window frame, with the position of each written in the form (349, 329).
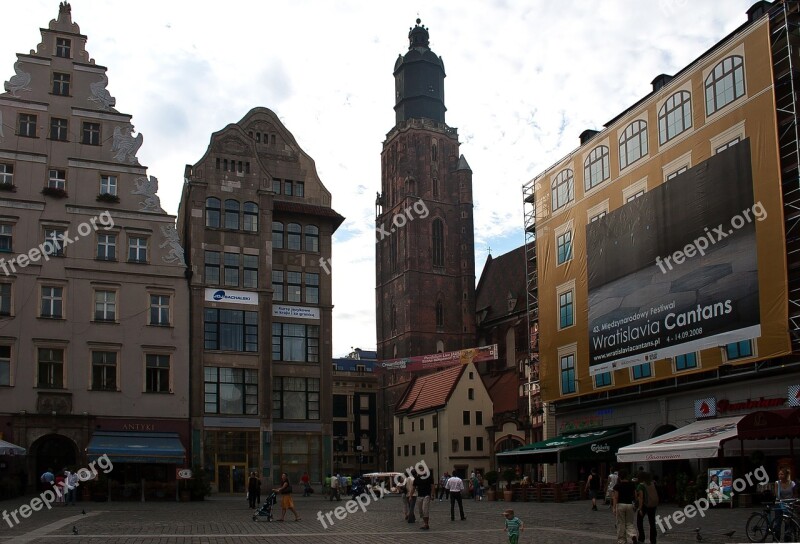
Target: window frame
(294, 234)
(59, 129)
(564, 247)
(57, 178)
(437, 242)
(213, 382)
(154, 373)
(26, 125)
(158, 308)
(58, 368)
(277, 235)
(209, 264)
(738, 355)
(682, 362)
(667, 117)
(633, 139)
(566, 308)
(232, 214)
(309, 395)
(7, 174)
(63, 48)
(61, 84)
(106, 246)
(6, 237)
(567, 373)
(90, 133)
(564, 181)
(230, 330)
(250, 217)
(213, 211)
(137, 249)
(6, 299)
(311, 235)
(103, 366)
(106, 308)
(714, 80)
(308, 343)
(6, 375)
(109, 184)
(55, 301)
(55, 235)
(599, 155)
(642, 371)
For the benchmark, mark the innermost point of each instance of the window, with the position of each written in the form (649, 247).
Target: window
(295, 343)
(232, 214)
(57, 179)
(439, 314)
(642, 371)
(564, 246)
(27, 125)
(58, 129)
(438, 242)
(212, 212)
(52, 302)
(91, 134)
(566, 311)
(467, 443)
(250, 271)
(51, 368)
(632, 144)
(156, 373)
(393, 317)
(6, 174)
(677, 172)
(231, 330)
(299, 188)
(422, 424)
(598, 216)
(602, 380)
(276, 185)
(105, 305)
(5, 365)
(568, 374)
(634, 196)
(563, 189)
(724, 84)
(470, 394)
(54, 242)
(137, 249)
(675, 116)
(5, 299)
(231, 269)
(686, 361)
(422, 448)
(250, 217)
(212, 263)
(479, 443)
(412, 426)
(6, 238)
(596, 169)
(293, 286)
(739, 350)
(159, 310)
(287, 187)
(60, 84)
(312, 238)
(312, 288)
(454, 444)
(478, 418)
(465, 417)
(435, 422)
(295, 398)
(107, 247)
(63, 47)
(277, 285)
(725, 146)
(277, 235)
(108, 185)
(293, 236)
(405, 450)
(104, 370)
(231, 390)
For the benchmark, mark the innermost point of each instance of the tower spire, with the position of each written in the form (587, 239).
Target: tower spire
(419, 79)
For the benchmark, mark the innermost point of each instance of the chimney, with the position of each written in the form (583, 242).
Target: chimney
(587, 135)
(660, 81)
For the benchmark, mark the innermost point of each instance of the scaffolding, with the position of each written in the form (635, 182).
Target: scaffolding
(536, 408)
(785, 41)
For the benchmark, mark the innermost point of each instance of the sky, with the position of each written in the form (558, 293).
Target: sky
(524, 79)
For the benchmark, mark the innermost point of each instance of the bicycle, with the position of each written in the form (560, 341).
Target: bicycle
(761, 525)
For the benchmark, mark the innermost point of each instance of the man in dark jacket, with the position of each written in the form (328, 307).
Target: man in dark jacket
(424, 484)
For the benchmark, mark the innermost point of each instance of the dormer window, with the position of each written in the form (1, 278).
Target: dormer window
(63, 48)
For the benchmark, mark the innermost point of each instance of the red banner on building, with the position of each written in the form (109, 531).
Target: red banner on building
(441, 360)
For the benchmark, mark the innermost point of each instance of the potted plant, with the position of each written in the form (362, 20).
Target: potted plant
(10, 187)
(491, 479)
(107, 197)
(508, 477)
(55, 192)
(199, 486)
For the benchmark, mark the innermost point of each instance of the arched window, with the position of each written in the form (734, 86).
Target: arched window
(212, 212)
(232, 214)
(293, 236)
(312, 238)
(595, 169)
(439, 314)
(435, 183)
(434, 152)
(251, 216)
(563, 189)
(393, 317)
(725, 83)
(277, 235)
(632, 144)
(675, 116)
(438, 242)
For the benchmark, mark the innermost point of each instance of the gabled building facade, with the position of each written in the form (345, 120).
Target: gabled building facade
(92, 291)
(257, 224)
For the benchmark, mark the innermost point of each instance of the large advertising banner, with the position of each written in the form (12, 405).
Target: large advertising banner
(442, 360)
(674, 271)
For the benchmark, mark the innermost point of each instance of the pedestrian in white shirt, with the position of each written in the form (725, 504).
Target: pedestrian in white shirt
(455, 485)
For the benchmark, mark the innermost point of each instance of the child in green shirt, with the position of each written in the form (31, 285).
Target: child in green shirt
(514, 526)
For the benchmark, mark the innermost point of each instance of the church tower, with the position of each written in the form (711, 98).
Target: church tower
(425, 261)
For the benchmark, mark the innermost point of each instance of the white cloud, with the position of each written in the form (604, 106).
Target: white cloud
(525, 77)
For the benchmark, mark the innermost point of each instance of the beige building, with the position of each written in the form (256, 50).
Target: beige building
(442, 419)
(257, 224)
(93, 348)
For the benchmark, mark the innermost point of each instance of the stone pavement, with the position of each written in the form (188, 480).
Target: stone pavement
(229, 520)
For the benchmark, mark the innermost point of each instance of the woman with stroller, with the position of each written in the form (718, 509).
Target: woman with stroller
(285, 491)
(253, 490)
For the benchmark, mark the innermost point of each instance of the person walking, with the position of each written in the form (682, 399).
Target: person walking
(71, 479)
(60, 489)
(424, 485)
(443, 492)
(612, 481)
(287, 503)
(513, 526)
(593, 488)
(47, 478)
(647, 501)
(410, 498)
(455, 486)
(335, 488)
(306, 481)
(622, 508)
(252, 489)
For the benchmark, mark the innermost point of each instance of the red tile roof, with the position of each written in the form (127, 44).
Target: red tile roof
(503, 389)
(430, 391)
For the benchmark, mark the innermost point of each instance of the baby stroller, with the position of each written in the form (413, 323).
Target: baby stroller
(266, 508)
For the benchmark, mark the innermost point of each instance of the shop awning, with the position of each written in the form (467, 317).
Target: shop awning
(698, 440)
(597, 444)
(124, 447)
(7, 448)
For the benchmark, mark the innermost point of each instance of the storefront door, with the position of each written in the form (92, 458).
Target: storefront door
(231, 478)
